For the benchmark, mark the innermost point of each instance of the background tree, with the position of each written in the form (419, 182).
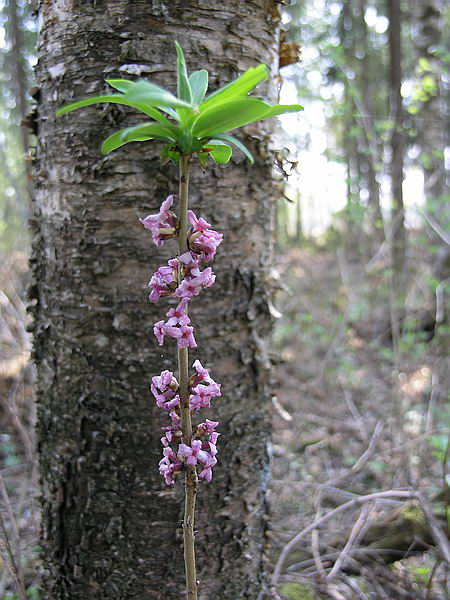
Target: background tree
(430, 102)
(398, 233)
(110, 529)
(16, 56)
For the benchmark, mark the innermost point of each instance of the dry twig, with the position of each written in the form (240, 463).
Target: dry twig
(11, 562)
(320, 522)
(355, 535)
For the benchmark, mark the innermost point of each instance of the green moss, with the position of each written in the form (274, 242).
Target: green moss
(412, 512)
(297, 591)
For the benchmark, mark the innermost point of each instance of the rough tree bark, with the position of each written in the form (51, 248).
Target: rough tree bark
(111, 530)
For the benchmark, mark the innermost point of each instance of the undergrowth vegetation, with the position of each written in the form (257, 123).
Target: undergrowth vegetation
(357, 414)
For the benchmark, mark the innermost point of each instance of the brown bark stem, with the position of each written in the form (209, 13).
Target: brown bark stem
(186, 423)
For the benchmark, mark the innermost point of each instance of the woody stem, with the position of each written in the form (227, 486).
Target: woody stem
(186, 423)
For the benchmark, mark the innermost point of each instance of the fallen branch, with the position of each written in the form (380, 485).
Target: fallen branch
(436, 530)
(322, 520)
(355, 535)
(10, 561)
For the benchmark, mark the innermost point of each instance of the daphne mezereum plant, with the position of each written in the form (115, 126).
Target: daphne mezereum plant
(190, 125)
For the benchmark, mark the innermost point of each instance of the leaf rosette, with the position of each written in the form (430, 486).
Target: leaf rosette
(189, 122)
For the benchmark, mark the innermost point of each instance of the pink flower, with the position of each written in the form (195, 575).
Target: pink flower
(198, 224)
(202, 394)
(207, 471)
(158, 330)
(169, 465)
(203, 452)
(207, 427)
(172, 431)
(206, 244)
(184, 335)
(163, 281)
(202, 240)
(190, 263)
(193, 453)
(192, 286)
(211, 461)
(210, 447)
(163, 225)
(178, 316)
(177, 326)
(201, 376)
(211, 444)
(182, 278)
(164, 388)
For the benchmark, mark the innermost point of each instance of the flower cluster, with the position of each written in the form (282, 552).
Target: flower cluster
(183, 279)
(163, 225)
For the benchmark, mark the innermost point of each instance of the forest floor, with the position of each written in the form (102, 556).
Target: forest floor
(354, 415)
(19, 491)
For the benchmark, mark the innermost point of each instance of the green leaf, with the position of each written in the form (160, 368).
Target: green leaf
(125, 85)
(114, 99)
(122, 85)
(232, 140)
(202, 158)
(168, 153)
(238, 88)
(183, 86)
(139, 133)
(220, 153)
(198, 81)
(281, 109)
(229, 116)
(237, 113)
(186, 116)
(173, 113)
(153, 95)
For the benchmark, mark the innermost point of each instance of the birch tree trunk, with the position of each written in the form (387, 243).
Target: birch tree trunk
(111, 529)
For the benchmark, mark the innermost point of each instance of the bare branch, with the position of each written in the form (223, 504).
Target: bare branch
(320, 522)
(358, 529)
(364, 458)
(10, 561)
(436, 530)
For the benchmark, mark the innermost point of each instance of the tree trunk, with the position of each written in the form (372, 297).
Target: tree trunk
(397, 146)
(17, 67)
(433, 136)
(111, 528)
(373, 146)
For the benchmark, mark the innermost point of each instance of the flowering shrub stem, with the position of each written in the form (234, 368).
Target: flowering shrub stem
(194, 126)
(191, 479)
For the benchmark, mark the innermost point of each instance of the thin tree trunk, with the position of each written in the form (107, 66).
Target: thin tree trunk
(298, 219)
(434, 112)
(373, 146)
(19, 83)
(397, 147)
(432, 134)
(111, 528)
